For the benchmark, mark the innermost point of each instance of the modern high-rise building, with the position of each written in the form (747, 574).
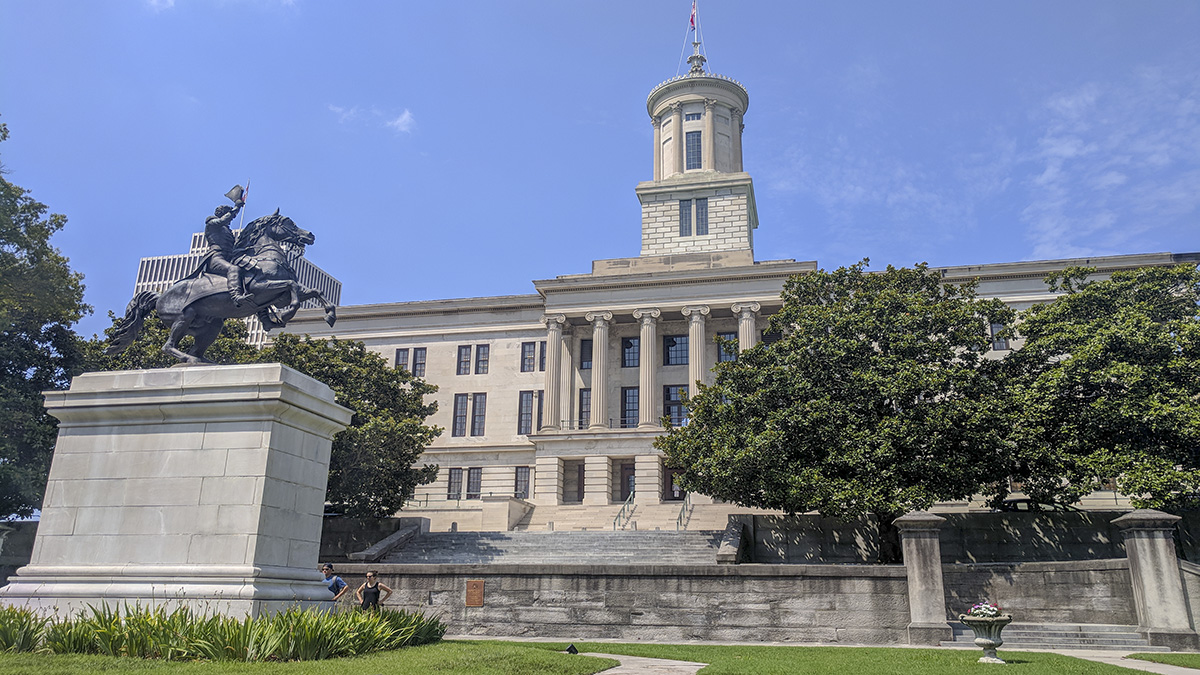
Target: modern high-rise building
(157, 273)
(551, 401)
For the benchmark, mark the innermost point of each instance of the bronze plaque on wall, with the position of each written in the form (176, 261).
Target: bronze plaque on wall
(475, 593)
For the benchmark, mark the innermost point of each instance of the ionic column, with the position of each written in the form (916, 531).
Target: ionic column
(656, 121)
(735, 133)
(599, 321)
(566, 374)
(554, 331)
(747, 314)
(697, 368)
(708, 160)
(679, 136)
(648, 366)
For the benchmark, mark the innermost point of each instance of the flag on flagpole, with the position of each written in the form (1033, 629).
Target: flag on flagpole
(693, 19)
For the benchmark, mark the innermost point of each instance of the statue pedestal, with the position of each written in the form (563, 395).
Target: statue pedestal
(201, 486)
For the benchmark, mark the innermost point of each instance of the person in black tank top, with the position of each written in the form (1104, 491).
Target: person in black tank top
(369, 593)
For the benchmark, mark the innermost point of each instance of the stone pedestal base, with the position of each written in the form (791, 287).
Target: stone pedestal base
(202, 486)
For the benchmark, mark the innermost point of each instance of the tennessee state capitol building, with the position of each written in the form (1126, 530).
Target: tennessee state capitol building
(551, 401)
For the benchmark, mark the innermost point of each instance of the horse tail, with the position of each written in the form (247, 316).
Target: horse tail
(127, 329)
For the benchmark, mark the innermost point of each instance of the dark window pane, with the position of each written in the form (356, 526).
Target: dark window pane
(478, 411)
(528, 354)
(542, 357)
(474, 482)
(418, 368)
(675, 350)
(525, 412)
(402, 358)
(629, 407)
(454, 488)
(540, 395)
(693, 150)
(585, 354)
(702, 216)
(460, 415)
(585, 408)
(464, 360)
(771, 338)
(521, 484)
(673, 404)
(691, 117)
(630, 354)
(685, 217)
(998, 344)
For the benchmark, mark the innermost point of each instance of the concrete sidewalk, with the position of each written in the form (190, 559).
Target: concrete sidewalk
(639, 665)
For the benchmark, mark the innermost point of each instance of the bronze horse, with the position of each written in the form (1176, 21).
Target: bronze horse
(199, 304)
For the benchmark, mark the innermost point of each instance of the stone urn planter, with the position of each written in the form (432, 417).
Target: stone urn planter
(987, 633)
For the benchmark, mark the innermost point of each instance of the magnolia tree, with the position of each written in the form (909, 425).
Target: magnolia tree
(878, 399)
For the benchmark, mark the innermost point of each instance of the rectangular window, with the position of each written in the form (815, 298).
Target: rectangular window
(685, 217)
(541, 395)
(464, 360)
(675, 350)
(542, 357)
(402, 358)
(454, 487)
(998, 344)
(725, 355)
(770, 338)
(474, 482)
(702, 216)
(629, 407)
(528, 354)
(418, 368)
(691, 117)
(482, 353)
(521, 483)
(585, 408)
(630, 352)
(585, 354)
(693, 150)
(673, 404)
(459, 428)
(525, 412)
(478, 411)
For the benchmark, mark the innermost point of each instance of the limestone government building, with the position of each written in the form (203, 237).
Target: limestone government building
(551, 401)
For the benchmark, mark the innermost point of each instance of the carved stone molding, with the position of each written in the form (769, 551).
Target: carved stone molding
(750, 307)
(594, 317)
(647, 315)
(696, 312)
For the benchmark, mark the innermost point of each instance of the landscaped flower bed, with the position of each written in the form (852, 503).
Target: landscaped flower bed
(181, 634)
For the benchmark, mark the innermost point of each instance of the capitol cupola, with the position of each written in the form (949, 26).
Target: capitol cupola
(700, 200)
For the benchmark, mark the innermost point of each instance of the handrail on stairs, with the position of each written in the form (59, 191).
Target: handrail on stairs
(681, 519)
(625, 513)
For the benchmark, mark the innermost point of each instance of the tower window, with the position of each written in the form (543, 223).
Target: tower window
(693, 150)
(691, 117)
(702, 216)
(685, 217)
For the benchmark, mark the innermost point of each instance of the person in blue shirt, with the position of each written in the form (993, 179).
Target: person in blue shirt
(336, 585)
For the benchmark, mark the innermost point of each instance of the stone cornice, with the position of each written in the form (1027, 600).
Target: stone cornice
(691, 82)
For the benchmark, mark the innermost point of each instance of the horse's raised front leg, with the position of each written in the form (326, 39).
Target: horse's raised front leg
(178, 330)
(290, 311)
(330, 309)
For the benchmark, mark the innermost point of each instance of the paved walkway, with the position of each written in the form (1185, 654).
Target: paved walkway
(639, 665)
(1116, 658)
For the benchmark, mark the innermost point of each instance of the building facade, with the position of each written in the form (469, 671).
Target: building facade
(158, 273)
(551, 401)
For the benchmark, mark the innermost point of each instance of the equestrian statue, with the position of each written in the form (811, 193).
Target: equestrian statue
(240, 276)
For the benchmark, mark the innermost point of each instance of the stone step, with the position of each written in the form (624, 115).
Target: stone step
(559, 548)
(1018, 646)
(1059, 636)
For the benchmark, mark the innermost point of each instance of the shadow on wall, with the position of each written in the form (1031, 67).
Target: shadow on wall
(16, 546)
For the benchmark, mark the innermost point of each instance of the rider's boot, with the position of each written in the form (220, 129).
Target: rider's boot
(234, 277)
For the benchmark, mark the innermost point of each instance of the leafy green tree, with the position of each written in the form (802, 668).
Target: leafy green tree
(1107, 386)
(877, 399)
(40, 297)
(371, 471)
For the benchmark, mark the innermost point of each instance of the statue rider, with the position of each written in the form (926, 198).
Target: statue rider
(221, 258)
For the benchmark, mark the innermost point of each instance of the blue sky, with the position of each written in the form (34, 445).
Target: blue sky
(456, 149)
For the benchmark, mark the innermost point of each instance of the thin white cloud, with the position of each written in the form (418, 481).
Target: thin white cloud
(344, 114)
(160, 5)
(404, 123)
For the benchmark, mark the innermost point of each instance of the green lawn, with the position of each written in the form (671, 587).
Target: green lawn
(1185, 660)
(534, 658)
(765, 660)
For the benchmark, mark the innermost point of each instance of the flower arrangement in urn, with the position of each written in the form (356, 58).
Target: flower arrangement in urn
(986, 621)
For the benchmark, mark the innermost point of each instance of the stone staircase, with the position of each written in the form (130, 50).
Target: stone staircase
(559, 548)
(1018, 636)
(700, 517)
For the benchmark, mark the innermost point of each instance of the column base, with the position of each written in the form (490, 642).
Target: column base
(929, 633)
(232, 590)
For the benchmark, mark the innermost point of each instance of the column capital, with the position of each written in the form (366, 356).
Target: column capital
(696, 312)
(647, 315)
(710, 103)
(595, 317)
(554, 321)
(735, 112)
(741, 307)
(655, 120)
(677, 107)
